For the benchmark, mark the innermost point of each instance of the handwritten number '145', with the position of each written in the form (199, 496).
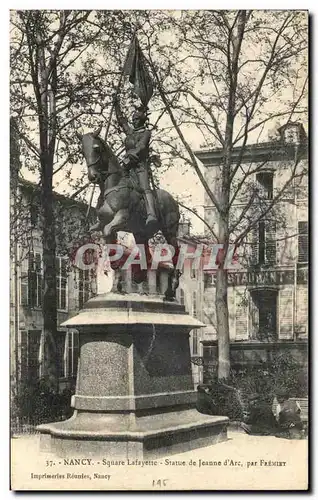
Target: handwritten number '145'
(159, 482)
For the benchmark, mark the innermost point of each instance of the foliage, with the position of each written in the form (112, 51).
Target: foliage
(228, 77)
(260, 384)
(57, 85)
(37, 403)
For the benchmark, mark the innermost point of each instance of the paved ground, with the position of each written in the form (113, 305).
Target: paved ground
(242, 462)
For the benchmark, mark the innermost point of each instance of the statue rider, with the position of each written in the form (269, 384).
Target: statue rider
(137, 153)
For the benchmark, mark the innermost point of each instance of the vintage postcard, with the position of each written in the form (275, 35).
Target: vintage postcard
(159, 250)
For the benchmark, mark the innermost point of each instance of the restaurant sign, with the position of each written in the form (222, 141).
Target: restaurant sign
(255, 278)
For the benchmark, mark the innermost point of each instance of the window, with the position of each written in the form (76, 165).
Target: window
(60, 350)
(301, 185)
(291, 133)
(209, 280)
(34, 213)
(270, 241)
(31, 284)
(61, 283)
(84, 287)
(267, 318)
(265, 182)
(181, 296)
(72, 353)
(30, 351)
(24, 292)
(264, 315)
(261, 242)
(266, 242)
(302, 241)
(193, 272)
(194, 342)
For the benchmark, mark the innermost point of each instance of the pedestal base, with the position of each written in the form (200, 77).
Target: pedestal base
(134, 391)
(154, 436)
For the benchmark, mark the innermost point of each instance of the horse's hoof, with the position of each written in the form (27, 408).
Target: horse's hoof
(152, 224)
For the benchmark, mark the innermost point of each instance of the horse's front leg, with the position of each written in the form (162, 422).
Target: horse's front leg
(98, 226)
(118, 223)
(110, 237)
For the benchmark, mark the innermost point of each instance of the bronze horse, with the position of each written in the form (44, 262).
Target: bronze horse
(120, 206)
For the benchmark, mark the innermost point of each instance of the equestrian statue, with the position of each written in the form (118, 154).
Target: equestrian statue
(126, 201)
(124, 205)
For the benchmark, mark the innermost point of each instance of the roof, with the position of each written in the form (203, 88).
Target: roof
(263, 151)
(61, 197)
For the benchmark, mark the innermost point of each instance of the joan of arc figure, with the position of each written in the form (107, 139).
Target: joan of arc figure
(137, 153)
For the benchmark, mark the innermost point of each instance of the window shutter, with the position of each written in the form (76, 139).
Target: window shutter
(286, 308)
(32, 281)
(60, 348)
(38, 263)
(254, 245)
(34, 339)
(24, 355)
(24, 291)
(241, 316)
(302, 309)
(302, 187)
(270, 241)
(38, 267)
(285, 245)
(302, 241)
(194, 304)
(253, 319)
(194, 342)
(209, 313)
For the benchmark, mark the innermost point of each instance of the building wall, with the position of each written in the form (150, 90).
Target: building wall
(26, 318)
(190, 294)
(281, 280)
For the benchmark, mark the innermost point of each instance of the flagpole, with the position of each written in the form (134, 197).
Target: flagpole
(118, 86)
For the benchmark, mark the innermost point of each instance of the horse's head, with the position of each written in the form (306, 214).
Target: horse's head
(94, 151)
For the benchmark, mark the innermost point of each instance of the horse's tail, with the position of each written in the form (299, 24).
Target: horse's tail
(157, 201)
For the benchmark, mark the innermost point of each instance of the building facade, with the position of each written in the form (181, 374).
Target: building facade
(190, 294)
(73, 286)
(268, 295)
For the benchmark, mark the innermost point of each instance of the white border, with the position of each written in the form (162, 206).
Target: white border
(4, 185)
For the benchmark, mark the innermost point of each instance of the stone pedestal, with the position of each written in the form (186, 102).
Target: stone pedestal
(134, 393)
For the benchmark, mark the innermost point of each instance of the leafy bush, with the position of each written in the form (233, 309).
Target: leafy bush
(221, 399)
(251, 389)
(35, 403)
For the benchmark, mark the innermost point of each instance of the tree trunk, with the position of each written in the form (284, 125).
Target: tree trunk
(222, 325)
(47, 144)
(49, 306)
(222, 312)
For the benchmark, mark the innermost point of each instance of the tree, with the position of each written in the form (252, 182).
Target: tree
(229, 75)
(222, 74)
(57, 85)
